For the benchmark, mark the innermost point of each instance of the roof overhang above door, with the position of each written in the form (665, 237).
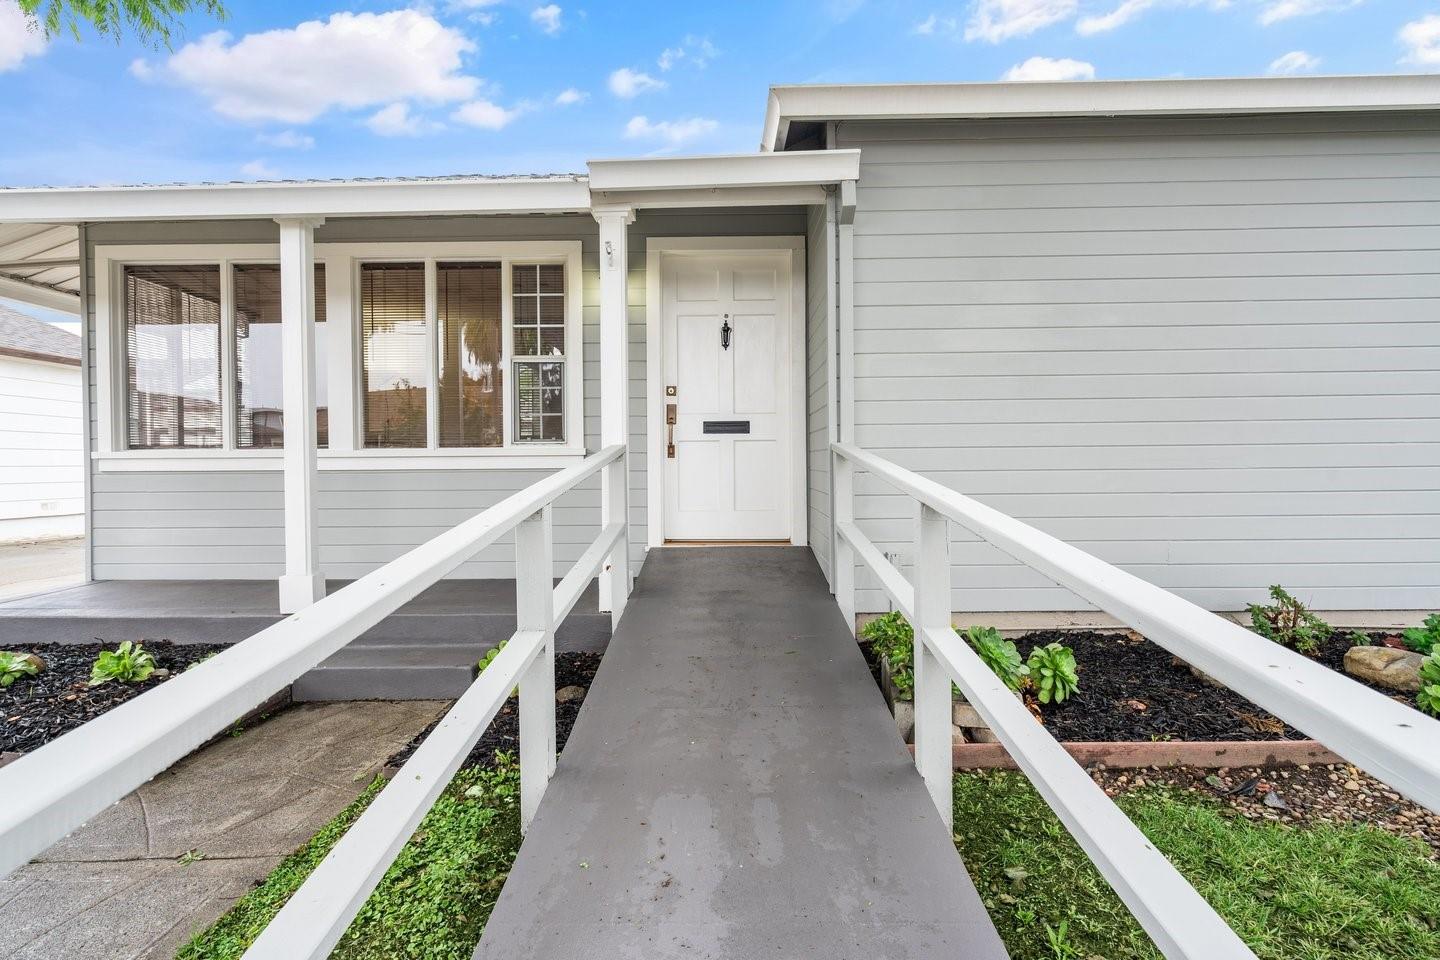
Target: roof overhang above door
(749, 179)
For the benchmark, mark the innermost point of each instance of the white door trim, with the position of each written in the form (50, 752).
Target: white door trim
(655, 249)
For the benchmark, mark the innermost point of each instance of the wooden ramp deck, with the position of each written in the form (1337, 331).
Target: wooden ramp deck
(734, 787)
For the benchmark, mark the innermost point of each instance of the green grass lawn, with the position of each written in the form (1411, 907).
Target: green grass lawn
(434, 900)
(1312, 893)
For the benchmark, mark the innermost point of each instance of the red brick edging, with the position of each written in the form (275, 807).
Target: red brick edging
(1133, 755)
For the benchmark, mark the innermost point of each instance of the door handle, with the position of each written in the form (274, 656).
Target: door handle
(670, 416)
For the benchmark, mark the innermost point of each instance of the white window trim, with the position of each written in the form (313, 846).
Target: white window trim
(342, 266)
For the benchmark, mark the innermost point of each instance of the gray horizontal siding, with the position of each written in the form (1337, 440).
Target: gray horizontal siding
(226, 525)
(1203, 350)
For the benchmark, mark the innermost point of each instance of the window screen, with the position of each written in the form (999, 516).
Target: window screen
(259, 400)
(394, 354)
(471, 394)
(539, 303)
(172, 342)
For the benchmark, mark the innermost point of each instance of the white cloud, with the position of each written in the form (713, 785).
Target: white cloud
(19, 37)
(484, 114)
(1296, 61)
(260, 170)
(547, 18)
(1128, 10)
(997, 20)
(673, 132)
(1044, 68)
(1278, 10)
(287, 140)
(697, 51)
(1422, 41)
(936, 24)
(396, 120)
(140, 69)
(350, 61)
(477, 10)
(626, 83)
(570, 96)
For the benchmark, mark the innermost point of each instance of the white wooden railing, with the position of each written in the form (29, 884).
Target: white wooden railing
(48, 793)
(1395, 743)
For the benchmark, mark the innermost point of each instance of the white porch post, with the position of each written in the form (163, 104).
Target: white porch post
(302, 583)
(614, 400)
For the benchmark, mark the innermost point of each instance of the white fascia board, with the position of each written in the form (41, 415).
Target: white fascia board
(379, 198)
(726, 172)
(39, 296)
(1097, 98)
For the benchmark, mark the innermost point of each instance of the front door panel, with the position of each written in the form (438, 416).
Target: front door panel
(730, 476)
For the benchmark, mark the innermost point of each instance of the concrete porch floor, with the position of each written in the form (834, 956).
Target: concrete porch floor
(425, 650)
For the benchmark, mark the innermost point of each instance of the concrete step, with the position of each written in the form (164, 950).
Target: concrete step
(409, 671)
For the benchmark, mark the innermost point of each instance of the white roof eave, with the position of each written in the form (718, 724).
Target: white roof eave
(1096, 98)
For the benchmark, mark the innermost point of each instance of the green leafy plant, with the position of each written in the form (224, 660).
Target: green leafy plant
(489, 658)
(13, 666)
(1053, 672)
(1424, 639)
(892, 638)
(127, 663)
(1000, 655)
(1288, 623)
(1428, 699)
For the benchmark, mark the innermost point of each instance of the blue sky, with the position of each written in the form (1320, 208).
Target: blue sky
(339, 89)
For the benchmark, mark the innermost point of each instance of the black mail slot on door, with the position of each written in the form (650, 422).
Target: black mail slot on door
(726, 426)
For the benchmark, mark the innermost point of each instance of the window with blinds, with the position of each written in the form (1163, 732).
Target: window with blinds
(538, 295)
(172, 343)
(394, 354)
(470, 390)
(259, 400)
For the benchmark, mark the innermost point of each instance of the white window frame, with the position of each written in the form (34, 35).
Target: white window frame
(343, 357)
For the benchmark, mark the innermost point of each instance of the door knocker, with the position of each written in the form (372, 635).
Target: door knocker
(725, 333)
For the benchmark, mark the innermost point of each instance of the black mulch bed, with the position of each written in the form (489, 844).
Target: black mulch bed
(503, 734)
(1132, 689)
(35, 710)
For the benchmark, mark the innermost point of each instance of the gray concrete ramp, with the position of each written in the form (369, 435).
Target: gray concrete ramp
(735, 788)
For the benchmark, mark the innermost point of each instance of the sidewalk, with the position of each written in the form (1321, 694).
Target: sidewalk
(115, 889)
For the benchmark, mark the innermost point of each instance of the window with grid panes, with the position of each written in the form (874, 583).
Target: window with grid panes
(538, 295)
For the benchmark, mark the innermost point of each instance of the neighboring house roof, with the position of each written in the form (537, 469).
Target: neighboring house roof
(22, 336)
(803, 103)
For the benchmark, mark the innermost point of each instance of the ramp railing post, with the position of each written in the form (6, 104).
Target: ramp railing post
(535, 610)
(843, 576)
(932, 684)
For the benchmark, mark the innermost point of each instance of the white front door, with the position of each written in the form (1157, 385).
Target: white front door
(726, 341)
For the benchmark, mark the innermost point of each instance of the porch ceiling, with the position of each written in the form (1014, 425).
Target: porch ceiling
(40, 264)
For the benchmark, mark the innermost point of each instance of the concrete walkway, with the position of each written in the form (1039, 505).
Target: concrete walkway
(115, 889)
(30, 568)
(734, 788)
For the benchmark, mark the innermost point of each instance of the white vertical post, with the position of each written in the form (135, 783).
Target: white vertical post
(535, 610)
(843, 509)
(614, 400)
(932, 683)
(302, 583)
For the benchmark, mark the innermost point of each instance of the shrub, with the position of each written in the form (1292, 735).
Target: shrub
(1288, 623)
(127, 663)
(1428, 698)
(999, 655)
(1053, 672)
(1424, 639)
(892, 638)
(13, 666)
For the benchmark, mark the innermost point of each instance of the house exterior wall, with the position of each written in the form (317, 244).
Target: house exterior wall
(1202, 349)
(229, 525)
(42, 475)
(819, 353)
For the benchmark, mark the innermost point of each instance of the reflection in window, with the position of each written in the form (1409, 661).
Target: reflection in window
(539, 303)
(172, 342)
(393, 368)
(259, 358)
(471, 394)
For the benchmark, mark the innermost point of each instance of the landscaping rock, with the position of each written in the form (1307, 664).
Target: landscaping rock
(905, 719)
(1396, 669)
(964, 715)
(982, 735)
(570, 694)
